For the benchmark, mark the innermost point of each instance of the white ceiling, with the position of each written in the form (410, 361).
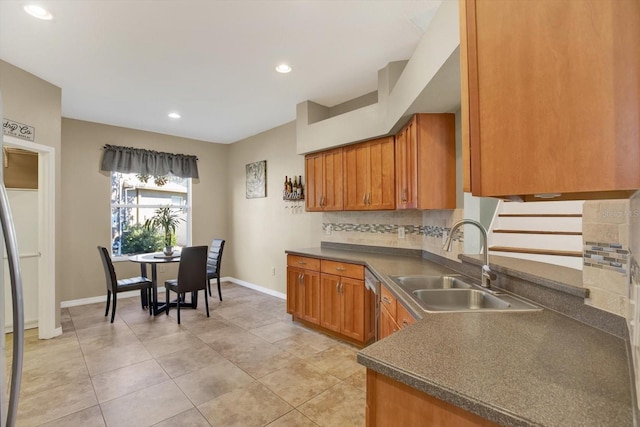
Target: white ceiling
(129, 63)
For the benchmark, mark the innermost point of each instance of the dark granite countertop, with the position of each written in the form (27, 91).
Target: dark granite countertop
(534, 368)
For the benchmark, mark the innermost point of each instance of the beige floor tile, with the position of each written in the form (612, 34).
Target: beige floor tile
(299, 382)
(190, 418)
(103, 329)
(253, 320)
(277, 331)
(232, 340)
(116, 357)
(211, 381)
(146, 407)
(182, 362)
(306, 344)
(202, 326)
(90, 417)
(35, 357)
(167, 344)
(338, 360)
(252, 405)
(46, 376)
(341, 406)
(155, 327)
(261, 359)
(87, 310)
(107, 339)
(221, 332)
(293, 419)
(358, 380)
(48, 405)
(116, 383)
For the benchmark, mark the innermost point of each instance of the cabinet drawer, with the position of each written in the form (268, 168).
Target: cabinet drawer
(303, 262)
(388, 301)
(354, 271)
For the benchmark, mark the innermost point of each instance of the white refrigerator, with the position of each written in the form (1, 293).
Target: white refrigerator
(9, 401)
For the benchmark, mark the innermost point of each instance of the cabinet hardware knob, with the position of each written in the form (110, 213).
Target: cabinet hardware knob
(302, 263)
(364, 199)
(386, 300)
(341, 269)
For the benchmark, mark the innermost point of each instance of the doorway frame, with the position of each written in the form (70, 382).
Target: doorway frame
(46, 234)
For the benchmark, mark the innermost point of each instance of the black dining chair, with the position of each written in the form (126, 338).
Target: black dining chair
(114, 285)
(214, 261)
(192, 276)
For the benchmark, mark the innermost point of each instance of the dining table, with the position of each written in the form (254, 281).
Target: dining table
(155, 259)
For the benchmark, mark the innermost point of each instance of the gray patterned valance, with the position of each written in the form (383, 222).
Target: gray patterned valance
(148, 162)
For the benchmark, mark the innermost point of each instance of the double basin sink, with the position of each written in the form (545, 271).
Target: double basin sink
(451, 293)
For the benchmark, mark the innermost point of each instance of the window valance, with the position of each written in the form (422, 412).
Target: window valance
(148, 162)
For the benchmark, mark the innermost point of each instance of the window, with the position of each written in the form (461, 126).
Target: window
(134, 199)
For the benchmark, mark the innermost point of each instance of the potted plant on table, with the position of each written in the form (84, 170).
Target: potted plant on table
(164, 219)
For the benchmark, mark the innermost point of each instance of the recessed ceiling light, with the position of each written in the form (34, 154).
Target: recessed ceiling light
(174, 115)
(38, 12)
(283, 68)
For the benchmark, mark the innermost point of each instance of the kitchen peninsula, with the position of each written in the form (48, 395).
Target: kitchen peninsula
(514, 369)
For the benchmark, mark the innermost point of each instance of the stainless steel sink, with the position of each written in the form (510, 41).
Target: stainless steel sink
(452, 294)
(459, 300)
(414, 283)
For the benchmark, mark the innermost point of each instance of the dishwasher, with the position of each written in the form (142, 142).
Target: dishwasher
(372, 283)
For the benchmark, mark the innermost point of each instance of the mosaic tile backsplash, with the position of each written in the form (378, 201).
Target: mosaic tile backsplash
(426, 230)
(608, 256)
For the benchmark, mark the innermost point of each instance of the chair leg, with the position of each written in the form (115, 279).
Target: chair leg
(219, 290)
(178, 304)
(206, 302)
(143, 298)
(209, 285)
(150, 301)
(167, 302)
(115, 301)
(106, 311)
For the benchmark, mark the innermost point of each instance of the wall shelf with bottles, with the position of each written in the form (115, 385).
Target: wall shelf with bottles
(293, 189)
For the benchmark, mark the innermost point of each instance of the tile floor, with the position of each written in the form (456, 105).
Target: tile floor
(246, 365)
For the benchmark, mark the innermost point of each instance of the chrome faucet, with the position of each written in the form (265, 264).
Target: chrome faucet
(487, 274)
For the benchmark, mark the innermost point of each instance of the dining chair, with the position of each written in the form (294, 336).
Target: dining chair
(214, 261)
(114, 285)
(192, 276)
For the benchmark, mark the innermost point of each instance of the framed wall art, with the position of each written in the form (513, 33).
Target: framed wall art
(256, 179)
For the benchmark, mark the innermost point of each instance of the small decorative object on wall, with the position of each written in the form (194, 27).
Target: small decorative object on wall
(293, 190)
(160, 180)
(256, 179)
(19, 130)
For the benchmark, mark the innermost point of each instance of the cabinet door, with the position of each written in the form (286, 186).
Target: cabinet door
(295, 292)
(352, 308)
(552, 110)
(311, 299)
(333, 181)
(356, 166)
(330, 300)
(387, 324)
(406, 165)
(403, 317)
(382, 193)
(315, 182)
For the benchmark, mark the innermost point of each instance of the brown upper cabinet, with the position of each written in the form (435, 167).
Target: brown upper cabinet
(370, 175)
(426, 163)
(550, 97)
(324, 181)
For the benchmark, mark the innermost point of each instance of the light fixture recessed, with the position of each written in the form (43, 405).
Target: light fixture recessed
(283, 68)
(38, 12)
(174, 115)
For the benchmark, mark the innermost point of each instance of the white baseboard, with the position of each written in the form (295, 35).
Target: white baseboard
(130, 294)
(254, 287)
(28, 324)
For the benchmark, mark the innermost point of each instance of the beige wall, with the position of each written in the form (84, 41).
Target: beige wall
(30, 100)
(86, 197)
(262, 229)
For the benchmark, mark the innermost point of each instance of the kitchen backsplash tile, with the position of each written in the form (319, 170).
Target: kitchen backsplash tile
(423, 230)
(606, 252)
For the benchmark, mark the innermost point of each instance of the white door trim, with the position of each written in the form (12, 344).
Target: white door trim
(46, 235)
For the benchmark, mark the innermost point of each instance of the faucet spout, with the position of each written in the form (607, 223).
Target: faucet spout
(486, 274)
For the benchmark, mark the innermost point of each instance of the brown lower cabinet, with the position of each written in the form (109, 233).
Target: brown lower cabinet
(393, 315)
(392, 403)
(332, 298)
